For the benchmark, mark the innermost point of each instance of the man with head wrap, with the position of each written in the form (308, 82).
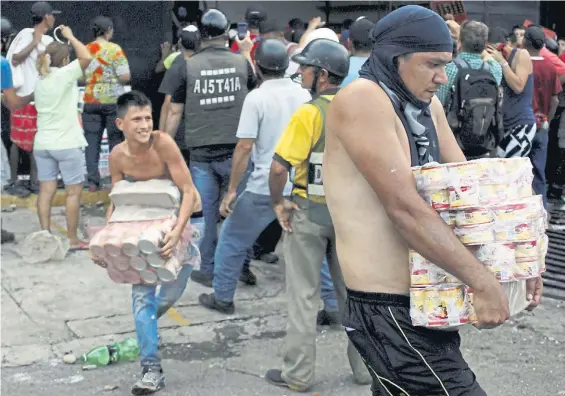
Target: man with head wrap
(377, 128)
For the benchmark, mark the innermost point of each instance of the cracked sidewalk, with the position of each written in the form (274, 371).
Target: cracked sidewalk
(52, 308)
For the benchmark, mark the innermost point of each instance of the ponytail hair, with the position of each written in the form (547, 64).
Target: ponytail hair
(53, 56)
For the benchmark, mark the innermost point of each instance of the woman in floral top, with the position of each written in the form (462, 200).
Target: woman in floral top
(105, 80)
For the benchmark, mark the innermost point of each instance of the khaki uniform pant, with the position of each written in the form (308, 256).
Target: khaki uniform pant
(304, 250)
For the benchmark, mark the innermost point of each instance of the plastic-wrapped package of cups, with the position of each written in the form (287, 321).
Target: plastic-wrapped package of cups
(425, 273)
(441, 306)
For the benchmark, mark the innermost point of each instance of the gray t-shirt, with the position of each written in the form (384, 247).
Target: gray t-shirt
(265, 115)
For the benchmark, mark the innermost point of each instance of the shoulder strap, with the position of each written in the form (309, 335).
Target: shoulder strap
(321, 104)
(512, 55)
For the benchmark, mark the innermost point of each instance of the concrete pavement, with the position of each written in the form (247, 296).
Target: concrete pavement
(56, 307)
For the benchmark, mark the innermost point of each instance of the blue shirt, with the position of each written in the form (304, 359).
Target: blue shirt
(6, 75)
(355, 63)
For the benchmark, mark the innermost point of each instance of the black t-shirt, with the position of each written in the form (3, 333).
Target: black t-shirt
(212, 153)
(175, 79)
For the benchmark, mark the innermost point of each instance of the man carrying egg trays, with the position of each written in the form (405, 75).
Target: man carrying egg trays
(139, 206)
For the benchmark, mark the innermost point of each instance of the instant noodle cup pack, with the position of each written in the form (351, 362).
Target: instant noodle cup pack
(499, 258)
(527, 208)
(448, 218)
(527, 250)
(475, 235)
(440, 306)
(462, 197)
(526, 230)
(425, 273)
(432, 176)
(438, 200)
(476, 216)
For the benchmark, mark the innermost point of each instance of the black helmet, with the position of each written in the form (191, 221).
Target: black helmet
(7, 29)
(325, 54)
(271, 55)
(214, 24)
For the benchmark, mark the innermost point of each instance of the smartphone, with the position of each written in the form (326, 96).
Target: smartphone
(242, 30)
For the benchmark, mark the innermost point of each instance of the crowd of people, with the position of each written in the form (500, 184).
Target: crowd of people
(265, 129)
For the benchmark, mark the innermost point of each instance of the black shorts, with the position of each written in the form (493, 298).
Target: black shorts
(405, 360)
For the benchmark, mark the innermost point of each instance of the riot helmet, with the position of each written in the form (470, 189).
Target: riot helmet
(6, 28)
(271, 55)
(324, 54)
(214, 24)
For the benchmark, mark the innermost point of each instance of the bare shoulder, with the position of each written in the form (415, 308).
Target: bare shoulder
(162, 141)
(361, 102)
(436, 108)
(117, 152)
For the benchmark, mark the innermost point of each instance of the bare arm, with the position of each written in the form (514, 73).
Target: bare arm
(83, 54)
(21, 56)
(164, 113)
(13, 101)
(115, 173)
(384, 164)
(173, 118)
(239, 162)
(170, 153)
(450, 150)
(518, 78)
(278, 177)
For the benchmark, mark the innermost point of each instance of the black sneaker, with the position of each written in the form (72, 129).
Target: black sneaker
(202, 278)
(274, 377)
(248, 277)
(326, 318)
(7, 237)
(209, 301)
(152, 380)
(269, 258)
(17, 189)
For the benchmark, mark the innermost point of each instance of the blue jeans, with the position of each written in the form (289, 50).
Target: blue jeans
(252, 213)
(328, 291)
(150, 304)
(211, 179)
(538, 156)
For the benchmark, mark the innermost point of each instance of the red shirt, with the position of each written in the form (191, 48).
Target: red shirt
(254, 38)
(546, 84)
(554, 59)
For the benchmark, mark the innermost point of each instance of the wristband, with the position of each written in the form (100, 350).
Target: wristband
(502, 65)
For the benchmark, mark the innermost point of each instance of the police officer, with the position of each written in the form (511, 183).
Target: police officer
(212, 96)
(266, 113)
(310, 235)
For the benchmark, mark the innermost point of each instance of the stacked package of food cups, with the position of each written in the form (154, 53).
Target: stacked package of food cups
(490, 206)
(130, 251)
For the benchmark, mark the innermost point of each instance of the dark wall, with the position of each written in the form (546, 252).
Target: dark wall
(139, 28)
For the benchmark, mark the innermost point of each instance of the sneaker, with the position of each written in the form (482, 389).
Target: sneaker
(202, 278)
(209, 301)
(248, 277)
(269, 258)
(151, 381)
(274, 377)
(33, 187)
(17, 189)
(326, 318)
(7, 236)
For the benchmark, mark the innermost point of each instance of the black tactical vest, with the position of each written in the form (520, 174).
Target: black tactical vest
(216, 86)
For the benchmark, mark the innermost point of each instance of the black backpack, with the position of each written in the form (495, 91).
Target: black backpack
(474, 110)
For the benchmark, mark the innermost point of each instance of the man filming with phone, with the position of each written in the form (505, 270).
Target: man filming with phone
(253, 18)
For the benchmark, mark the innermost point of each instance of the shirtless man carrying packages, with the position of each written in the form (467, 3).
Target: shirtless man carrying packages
(380, 214)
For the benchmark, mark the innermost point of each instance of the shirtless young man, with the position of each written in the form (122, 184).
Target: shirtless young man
(144, 155)
(380, 214)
